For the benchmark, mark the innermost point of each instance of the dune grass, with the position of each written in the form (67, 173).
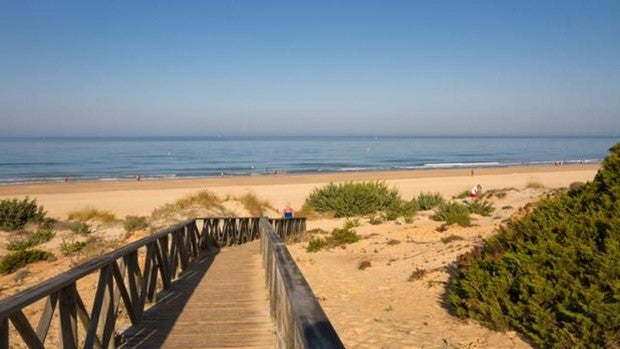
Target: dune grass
(192, 206)
(92, 214)
(534, 185)
(254, 205)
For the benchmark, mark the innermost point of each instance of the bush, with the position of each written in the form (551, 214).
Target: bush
(69, 248)
(353, 198)
(90, 214)
(21, 258)
(339, 237)
(481, 207)
(428, 201)
(554, 274)
(133, 223)
(80, 228)
(452, 213)
(15, 213)
(402, 208)
(316, 244)
(33, 239)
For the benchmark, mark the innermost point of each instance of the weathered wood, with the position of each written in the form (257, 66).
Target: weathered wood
(124, 279)
(300, 320)
(4, 333)
(25, 330)
(46, 317)
(68, 317)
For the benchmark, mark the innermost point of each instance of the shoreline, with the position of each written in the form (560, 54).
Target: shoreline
(81, 186)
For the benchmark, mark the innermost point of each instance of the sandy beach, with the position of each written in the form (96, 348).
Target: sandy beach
(141, 197)
(378, 306)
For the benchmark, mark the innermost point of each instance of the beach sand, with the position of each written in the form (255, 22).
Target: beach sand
(141, 197)
(378, 307)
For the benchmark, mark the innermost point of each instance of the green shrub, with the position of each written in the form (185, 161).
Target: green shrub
(69, 248)
(33, 239)
(428, 201)
(21, 258)
(133, 223)
(80, 228)
(92, 214)
(402, 208)
(554, 274)
(453, 213)
(343, 236)
(481, 207)
(316, 244)
(15, 213)
(339, 237)
(352, 198)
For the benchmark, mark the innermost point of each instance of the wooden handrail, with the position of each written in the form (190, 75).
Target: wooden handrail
(124, 279)
(300, 320)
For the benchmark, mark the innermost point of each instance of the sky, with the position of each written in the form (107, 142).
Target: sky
(431, 68)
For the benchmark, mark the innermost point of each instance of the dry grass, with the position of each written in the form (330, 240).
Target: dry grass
(203, 202)
(254, 205)
(92, 214)
(534, 185)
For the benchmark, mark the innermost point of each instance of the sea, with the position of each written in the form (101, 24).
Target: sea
(26, 160)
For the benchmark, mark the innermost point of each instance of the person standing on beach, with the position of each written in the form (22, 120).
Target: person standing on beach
(288, 211)
(474, 192)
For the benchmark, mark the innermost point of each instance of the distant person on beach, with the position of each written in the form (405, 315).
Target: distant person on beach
(474, 192)
(288, 211)
(472, 172)
(66, 179)
(138, 177)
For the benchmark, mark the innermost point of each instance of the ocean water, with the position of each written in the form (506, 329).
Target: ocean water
(53, 159)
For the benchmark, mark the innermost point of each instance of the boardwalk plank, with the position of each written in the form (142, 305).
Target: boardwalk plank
(218, 304)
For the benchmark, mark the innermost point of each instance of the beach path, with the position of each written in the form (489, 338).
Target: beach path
(223, 302)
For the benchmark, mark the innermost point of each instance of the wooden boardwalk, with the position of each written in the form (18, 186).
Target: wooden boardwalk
(221, 302)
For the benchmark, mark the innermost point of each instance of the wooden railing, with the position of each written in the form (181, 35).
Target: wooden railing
(299, 318)
(131, 276)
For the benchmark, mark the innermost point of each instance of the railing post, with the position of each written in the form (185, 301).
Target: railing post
(67, 305)
(4, 333)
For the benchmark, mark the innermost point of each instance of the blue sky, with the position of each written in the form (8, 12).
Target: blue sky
(333, 67)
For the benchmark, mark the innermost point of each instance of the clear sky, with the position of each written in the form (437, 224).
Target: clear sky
(313, 67)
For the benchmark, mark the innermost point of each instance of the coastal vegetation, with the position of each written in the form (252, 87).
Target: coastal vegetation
(428, 200)
(16, 213)
(92, 214)
(134, 223)
(253, 204)
(338, 237)
(31, 240)
(554, 274)
(18, 259)
(453, 213)
(353, 198)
